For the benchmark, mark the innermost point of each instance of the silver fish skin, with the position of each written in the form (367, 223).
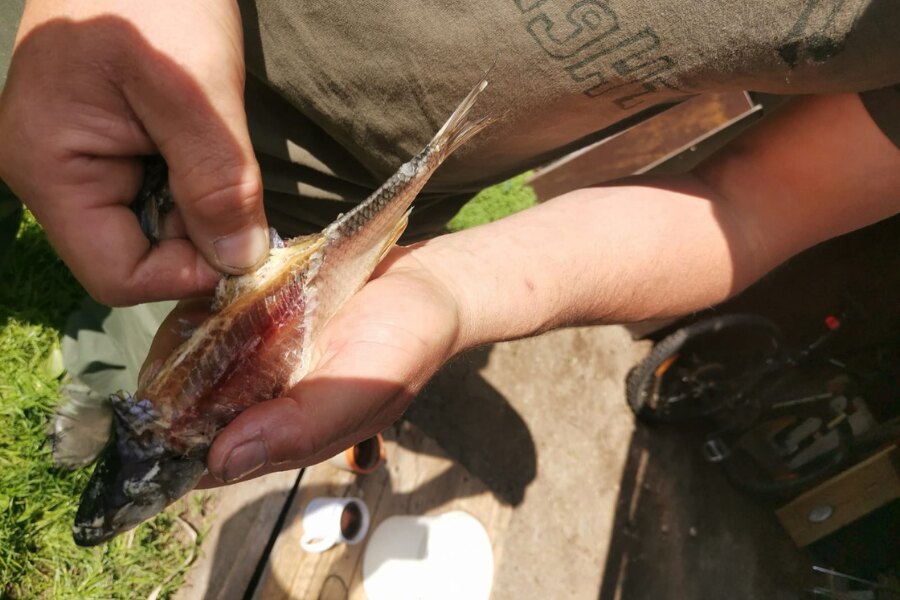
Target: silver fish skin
(255, 346)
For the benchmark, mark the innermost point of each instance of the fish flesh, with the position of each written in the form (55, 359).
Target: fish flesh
(254, 347)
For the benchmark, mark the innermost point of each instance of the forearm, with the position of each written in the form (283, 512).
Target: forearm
(625, 253)
(663, 247)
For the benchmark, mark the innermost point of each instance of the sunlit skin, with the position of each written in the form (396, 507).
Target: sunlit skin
(635, 250)
(91, 86)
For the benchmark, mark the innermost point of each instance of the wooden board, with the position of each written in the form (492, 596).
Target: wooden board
(418, 479)
(844, 498)
(244, 517)
(647, 143)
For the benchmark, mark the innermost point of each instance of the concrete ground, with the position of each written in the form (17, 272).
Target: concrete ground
(604, 508)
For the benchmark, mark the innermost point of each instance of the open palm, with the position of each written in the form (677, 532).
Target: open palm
(368, 363)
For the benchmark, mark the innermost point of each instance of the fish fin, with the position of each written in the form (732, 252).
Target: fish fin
(459, 128)
(394, 235)
(81, 427)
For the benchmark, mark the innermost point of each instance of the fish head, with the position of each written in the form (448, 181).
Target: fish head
(135, 478)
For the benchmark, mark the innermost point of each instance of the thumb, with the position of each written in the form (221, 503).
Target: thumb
(196, 118)
(222, 209)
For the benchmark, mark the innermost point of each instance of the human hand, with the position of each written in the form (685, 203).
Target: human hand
(368, 363)
(93, 86)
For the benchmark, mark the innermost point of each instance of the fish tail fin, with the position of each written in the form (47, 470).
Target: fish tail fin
(460, 128)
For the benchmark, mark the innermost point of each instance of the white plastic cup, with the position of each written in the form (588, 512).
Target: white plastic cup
(329, 521)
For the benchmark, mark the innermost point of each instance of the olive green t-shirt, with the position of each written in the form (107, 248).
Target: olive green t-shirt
(339, 94)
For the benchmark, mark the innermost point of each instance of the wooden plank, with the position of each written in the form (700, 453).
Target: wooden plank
(418, 479)
(843, 498)
(245, 516)
(644, 144)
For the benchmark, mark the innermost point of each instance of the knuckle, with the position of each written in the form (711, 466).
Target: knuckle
(231, 197)
(313, 443)
(106, 293)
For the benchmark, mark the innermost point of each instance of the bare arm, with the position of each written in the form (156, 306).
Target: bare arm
(625, 252)
(658, 247)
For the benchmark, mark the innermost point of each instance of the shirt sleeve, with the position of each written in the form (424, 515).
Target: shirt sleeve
(884, 107)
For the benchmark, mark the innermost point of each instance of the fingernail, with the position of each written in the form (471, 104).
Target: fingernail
(244, 460)
(243, 249)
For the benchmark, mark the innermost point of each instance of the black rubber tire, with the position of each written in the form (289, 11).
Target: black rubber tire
(643, 383)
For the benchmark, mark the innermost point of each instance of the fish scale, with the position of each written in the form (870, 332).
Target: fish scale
(256, 345)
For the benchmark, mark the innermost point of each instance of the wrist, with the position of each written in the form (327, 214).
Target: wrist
(496, 295)
(598, 255)
(443, 262)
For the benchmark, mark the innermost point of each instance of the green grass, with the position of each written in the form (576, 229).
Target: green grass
(495, 203)
(38, 558)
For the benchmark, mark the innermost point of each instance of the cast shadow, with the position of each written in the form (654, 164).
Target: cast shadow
(238, 570)
(680, 530)
(460, 411)
(477, 427)
(236, 567)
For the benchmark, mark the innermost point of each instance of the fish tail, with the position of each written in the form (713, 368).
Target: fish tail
(460, 128)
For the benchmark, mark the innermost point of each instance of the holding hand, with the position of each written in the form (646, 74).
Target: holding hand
(370, 360)
(91, 88)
